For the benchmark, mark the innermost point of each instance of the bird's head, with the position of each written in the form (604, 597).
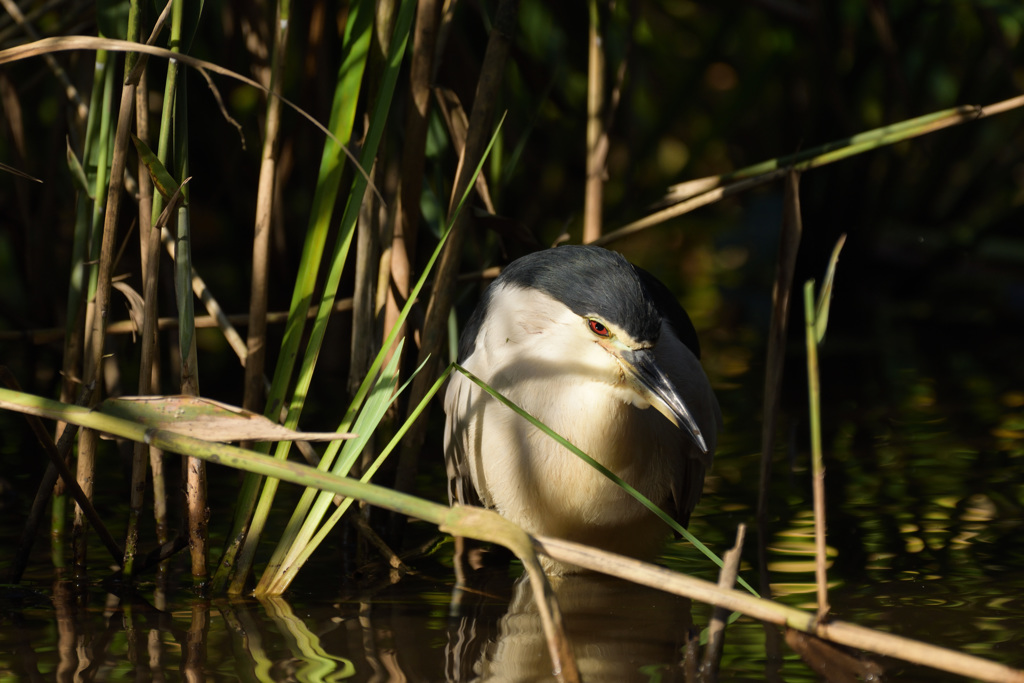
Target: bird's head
(612, 324)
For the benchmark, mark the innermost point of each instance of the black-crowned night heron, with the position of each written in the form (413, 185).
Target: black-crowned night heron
(588, 344)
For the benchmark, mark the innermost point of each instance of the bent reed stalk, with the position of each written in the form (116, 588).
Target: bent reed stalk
(486, 525)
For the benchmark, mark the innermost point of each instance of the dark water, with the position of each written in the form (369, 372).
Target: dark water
(410, 630)
(923, 428)
(924, 535)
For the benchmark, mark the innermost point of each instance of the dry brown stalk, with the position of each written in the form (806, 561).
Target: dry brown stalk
(51, 334)
(256, 342)
(406, 225)
(886, 644)
(149, 248)
(789, 244)
(716, 628)
(711, 189)
(709, 197)
(435, 326)
(597, 136)
(97, 314)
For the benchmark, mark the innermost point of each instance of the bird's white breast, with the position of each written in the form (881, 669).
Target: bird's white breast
(521, 351)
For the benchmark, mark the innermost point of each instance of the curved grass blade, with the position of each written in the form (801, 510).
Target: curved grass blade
(162, 178)
(338, 259)
(844, 147)
(46, 46)
(372, 469)
(301, 527)
(825, 295)
(347, 422)
(355, 47)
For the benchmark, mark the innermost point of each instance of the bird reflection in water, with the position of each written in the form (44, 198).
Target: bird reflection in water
(619, 631)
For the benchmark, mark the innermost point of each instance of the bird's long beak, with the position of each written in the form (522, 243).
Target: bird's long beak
(654, 385)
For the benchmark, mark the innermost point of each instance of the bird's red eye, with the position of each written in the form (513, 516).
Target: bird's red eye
(597, 328)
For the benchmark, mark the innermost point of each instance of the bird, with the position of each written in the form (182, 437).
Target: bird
(600, 351)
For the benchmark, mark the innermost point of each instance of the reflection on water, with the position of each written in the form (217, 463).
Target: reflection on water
(791, 558)
(925, 540)
(423, 629)
(619, 632)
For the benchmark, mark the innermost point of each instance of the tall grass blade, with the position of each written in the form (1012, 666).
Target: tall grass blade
(283, 565)
(817, 466)
(94, 152)
(256, 344)
(355, 44)
(327, 460)
(355, 49)
(378, 461)
(339, 256)
(816, 317)
(385, 352)
(102, 178)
